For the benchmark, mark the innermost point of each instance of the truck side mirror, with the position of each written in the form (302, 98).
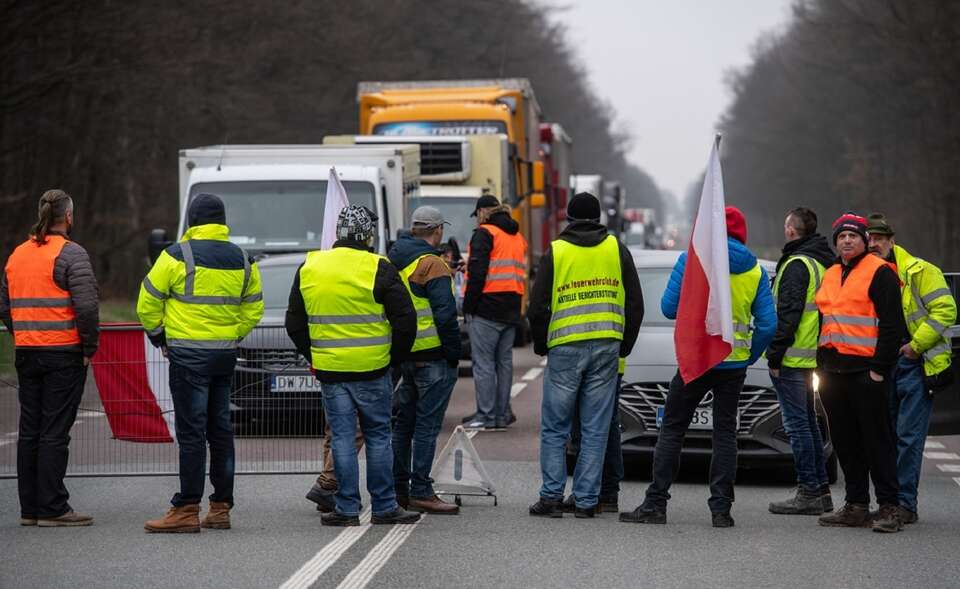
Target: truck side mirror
(157, 242)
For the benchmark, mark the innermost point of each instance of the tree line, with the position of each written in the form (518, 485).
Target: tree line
(96, 97)
(854, 106)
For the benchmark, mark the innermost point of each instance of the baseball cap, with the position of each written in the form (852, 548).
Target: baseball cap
(485, 202)
(427, 218)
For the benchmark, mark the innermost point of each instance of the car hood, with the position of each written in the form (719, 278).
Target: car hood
(653, 359)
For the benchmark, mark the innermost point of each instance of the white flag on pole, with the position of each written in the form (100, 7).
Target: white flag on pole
(336, 201)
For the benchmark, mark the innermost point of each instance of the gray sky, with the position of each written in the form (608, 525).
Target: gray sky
(661, 65)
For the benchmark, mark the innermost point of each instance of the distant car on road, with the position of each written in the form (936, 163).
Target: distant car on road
(761, 438)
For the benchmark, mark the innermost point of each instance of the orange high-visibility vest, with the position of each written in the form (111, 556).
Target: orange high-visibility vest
(850, 324)
(42, 312)
(508, 262)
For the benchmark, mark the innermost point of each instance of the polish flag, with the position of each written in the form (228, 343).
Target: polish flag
(703, 336)
(336, 201)
(132, 378)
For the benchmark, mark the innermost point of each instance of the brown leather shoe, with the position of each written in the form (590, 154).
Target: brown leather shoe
(28, 521)
(433, 505)
(68, 520)
(179, 520)
(218, 516)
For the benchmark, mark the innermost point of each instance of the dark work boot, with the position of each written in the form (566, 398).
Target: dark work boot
(644, 514)
(802, 503)
(569, 504)
(322, 497)
(826, 498)
(888, 519)
(908, 516)
(397, 516)
(722, 520)
(609, 504)
(546, 508)
(339, 520)
(851, 515)
(586, 512)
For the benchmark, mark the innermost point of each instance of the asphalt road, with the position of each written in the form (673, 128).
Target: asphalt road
(277, 539)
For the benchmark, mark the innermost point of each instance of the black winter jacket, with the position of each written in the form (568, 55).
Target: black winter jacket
(431, 280)
(72, 271)
(793, 291)
(498, 306)
(885, 293)
(587, 234)
(388, 290)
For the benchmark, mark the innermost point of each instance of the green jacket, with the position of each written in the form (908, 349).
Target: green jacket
(928, 307)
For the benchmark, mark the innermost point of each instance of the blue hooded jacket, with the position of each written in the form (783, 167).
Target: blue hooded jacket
(438, 291)
(763, 309)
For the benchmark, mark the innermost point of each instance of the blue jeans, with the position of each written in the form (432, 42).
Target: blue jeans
(795, 393)
(201, 404)
(491, 348)
(371, 399)
(580, 376)
(419, 406)
(613, 457)
(910, 407)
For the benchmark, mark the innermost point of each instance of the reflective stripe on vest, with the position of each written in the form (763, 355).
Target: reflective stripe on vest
(42, 313)
(349, 331)
(743, 289)
(850, 323)
(915, 302)
(507, 271)
(588, 296)
(189, 295)
(427, 338)
(803, 352)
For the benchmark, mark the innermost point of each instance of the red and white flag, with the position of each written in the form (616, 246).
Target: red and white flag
(335, 201)
(133, 380)
(704, 330)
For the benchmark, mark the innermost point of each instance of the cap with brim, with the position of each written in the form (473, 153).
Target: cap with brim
(427, 218)
(877, 224)
(485, 202)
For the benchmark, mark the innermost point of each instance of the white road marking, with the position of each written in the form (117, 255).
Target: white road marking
(941, 455)
(956, 480)
(931, 445)
(328, 555)
(532, 374)
(12, 434)
(84, 413)
(543, 362)
(5, 442)
(517, 388)
(364, 572)
(949, 467)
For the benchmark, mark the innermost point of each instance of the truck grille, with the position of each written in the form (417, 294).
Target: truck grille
(438, 158)
(642, 400)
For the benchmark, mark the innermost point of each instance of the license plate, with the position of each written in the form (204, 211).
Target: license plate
(702, 418)
(298, 383)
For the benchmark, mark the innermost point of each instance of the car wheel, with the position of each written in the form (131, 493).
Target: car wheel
(832, 468)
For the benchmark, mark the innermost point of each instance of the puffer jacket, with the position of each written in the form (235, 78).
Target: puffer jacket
(72, 271)
(764, 313)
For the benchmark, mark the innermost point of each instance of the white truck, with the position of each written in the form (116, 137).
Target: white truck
(274, 194)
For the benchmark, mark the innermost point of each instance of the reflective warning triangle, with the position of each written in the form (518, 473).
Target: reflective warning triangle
(459, 469)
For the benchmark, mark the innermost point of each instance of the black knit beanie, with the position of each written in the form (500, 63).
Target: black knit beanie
(583, 207)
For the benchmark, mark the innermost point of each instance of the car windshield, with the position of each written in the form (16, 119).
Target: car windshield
(281, 214)
(653, 281)
(276, 282)
(456, 211)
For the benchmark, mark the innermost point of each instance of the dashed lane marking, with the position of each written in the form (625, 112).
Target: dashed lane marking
(364, 572)
(328, 555)
(517, 388)
(532, 374)
(931, 445)
(941, 455)
(949, 467)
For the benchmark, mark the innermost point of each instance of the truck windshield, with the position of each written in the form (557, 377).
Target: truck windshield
(279, 214)
(456, 210)
(441, 128)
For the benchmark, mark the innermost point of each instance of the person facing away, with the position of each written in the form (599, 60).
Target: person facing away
(924, 363)
(792, 358)
(50, 303)
(200, 298)
(350, 315)
(495, 285)
(429, 371)
(861, 331)
(585, 314)
(751, 303)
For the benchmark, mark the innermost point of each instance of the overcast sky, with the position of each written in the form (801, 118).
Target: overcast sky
(661, 65)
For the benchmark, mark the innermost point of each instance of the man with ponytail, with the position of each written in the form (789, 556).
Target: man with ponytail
(49, 301)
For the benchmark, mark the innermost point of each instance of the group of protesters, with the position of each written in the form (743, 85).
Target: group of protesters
(869, 323)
